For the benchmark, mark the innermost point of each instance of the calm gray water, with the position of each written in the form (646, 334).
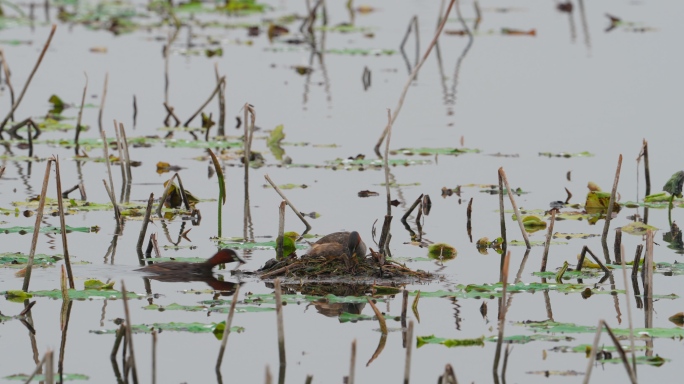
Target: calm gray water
(569, 88)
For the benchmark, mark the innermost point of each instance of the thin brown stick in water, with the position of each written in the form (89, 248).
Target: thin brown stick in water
(609, 214)
(167, 189)
(469, 225)
(410, 210)
(409, 348)
(617, 245)
(102, 104)
(154, 357)
(647, 268)
(36, 228)
(413, 25)
(515, 207)
(380, 317)
(295, 210)
(216, 89)
(502, 313)
(502, 220)
(281, 328)
(80, 114)
(117, 341)
(146, 220)
(580, 262)
(352, 365)
(414, 306)
(126, 153)
(169, 110)
(621, 352)
(226, 330)
(122, 160)
(404, 307)
(28, 81)
(38, 369)
(647, 170)
(62, 224)
(269, 379)
(222, 104)
(629, 315)
(386, 164)
(569, 195)
(135, 111)
(6, 70)
(547, 244)
(2, 170)
(129, 338)
(637, 260)
(281, 231)
(413, 75)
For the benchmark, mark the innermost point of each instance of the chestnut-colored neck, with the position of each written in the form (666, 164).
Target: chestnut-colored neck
(222, 256)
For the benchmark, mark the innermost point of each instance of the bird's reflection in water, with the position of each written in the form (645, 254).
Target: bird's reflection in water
(223, 288)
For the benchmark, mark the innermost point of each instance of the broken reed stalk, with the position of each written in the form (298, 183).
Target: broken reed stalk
(547, 245)
(647, 171)
(502, 173)
(80, 115)
(226, 330)
(385, 235)
(170, 112)
(122, 165)
(112, 195)
(126, 154)
(637, 260)
(62, 224)
(221, 81)
(247, 149)
(6, 70)
(154, 357)
(135, 111)
(2, 170)
(281, 327)
(629, 316)
(295, 210)
(621, 351)
(39, 366)
(146, 220)
(410, 210)
(469, 214)
(352, 365)
(413, 75)
(167, 190)
(502, 220)
(36, 228)
(28, 81)
(617, 245)
(222, 103)
(102, 104)
(580, 262)
(502, 313)
(281, 231)
(609, 214)
(386, 164)
(378, 314)
(404, 307)
(129, 338)
(409, 348)
(647, 268)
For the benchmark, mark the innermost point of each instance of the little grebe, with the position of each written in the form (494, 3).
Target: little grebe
(182, 269)
(347, 244)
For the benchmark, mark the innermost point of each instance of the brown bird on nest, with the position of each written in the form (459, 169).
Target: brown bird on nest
(340, 244)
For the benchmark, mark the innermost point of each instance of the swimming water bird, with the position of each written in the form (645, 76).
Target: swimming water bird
(187, 270)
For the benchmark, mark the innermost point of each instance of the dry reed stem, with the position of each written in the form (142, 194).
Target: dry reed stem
(621, 352)
(62, 223)
(268, 379)
(146, 220)
(580, 262)
(102, 104)
(637, 260)
(6, 70)
(129, 337)
(609, 214)
(380, 317)
(502, 219)
(221, 81)
(122, 161)
(515, 207)
(629, 315)
(404, 307)
(414, 306)
(409, 348)
(117, 342)
(126, 154)
(547, 245)
(226, 331)
(502, 312)
(352, 365)
(386, 164)
(28, 81)
(154, 357)
(618, 245)
(295, 210)
(112, 195)
(36, 228)
(167, 189)
(2, 171)
(413, 75)
(408, 213)
(281, 327)
(281, 231)
(647, 171)
(647, 269)
(222, 103)
(80, 115)
(169, 110)
(412, 23)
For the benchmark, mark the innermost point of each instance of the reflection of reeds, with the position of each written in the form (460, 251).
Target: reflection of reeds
(409, 348)
(62, 224)
(80, 115)
(143, 227)
(515, 207)
(281, 327)
(620, 350)
(226, 330)
(102, 103)
(547, 244)
(130, 362)
(352, 365)
(36, 228)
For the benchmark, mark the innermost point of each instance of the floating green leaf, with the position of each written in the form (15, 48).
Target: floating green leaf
(46, 229)
(173, 326)
(17, 259)
(204, 308)
(274, 140)
(674, 185)
(450, 343)
(41, 378)
(346, 317)
(433, 151)
(86, 294)
(442, 251)
(98, 285)
(637, 228)
(566, 154)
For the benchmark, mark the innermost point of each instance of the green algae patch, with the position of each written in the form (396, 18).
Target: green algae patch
(449, 343)
(346, 317)
(621, 333)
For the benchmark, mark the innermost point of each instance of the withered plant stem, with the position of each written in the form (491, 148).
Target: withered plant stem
(154, 357)
(222, 104)
(169, 184)
(617, 245)
(122, 158)
(629, 315)
(281, 231)
(281, 327)
(169, 110)
(386, 163)
(226, 330)
(352, 364)
(502, 173)
(216, 90)
(580, 262)
(38, 368)
(547, 245)
(295, 210)
(502, 313)
(647, 170)
(80, 115)
(413, 75)
(413, 25)
(36, 228)
(609, 214)
(637, 259)
(146, 220)
(410, 210)
(647, 268)
(502, 220)
(102, 105)
(378, 314)
(110, 189)
(127, 155)
(129, 337)
(409, 348)
(6, 70)
(28, 81)
(62, 224)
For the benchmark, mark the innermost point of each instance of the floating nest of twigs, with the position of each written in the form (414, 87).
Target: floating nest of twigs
(321, 267)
